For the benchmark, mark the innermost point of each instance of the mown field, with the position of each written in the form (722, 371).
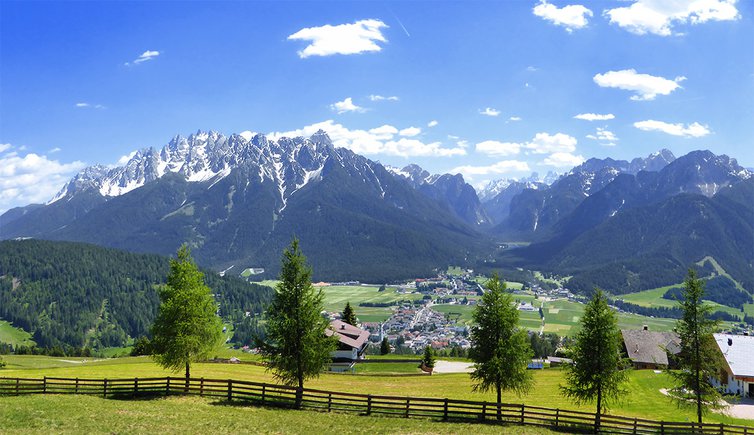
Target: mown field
(643, 399)
(14, 336)
(337, 296)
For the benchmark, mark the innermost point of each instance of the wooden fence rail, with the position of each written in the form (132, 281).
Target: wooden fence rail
(367, 404)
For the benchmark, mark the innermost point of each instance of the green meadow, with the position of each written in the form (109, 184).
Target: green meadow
(15, 336)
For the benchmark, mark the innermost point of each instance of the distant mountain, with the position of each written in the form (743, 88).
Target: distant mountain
(451, 191)
(498, 207)
(533, 212)
(656, 220)
(238, 201)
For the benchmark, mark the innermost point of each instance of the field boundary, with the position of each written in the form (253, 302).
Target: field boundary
(363, 404)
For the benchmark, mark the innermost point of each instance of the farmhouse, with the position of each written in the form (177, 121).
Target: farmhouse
(650, 349)
(352, 342)
(737, 375)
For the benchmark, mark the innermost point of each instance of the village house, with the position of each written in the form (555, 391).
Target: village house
(650, 349)
(737, 374)
(352, 342)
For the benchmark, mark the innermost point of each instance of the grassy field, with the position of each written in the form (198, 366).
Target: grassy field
(337, 296)
(653, 298)
(15, 336)
(179, 415)
(643, 400)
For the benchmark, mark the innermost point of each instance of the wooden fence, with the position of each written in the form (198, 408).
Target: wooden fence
(365, 404)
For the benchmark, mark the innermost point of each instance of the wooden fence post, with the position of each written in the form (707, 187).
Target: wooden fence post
(484, 411)
(662, 427)
(408, 404)
(329, 401)
(523, 410)
(722, 429)
(104, 388)
(230, 390)
(445, 410)
(635, 425)
(557, 417)
(369, 404)
(136, 387)
(17, 381)
(77, 386)
(263, 388)
(44, 385)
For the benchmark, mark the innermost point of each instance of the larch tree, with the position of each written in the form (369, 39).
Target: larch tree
(296, 346)
(348, 315)
(599, 370)
(384, 346)
(699, 359)
(499, 348)
(187, 328)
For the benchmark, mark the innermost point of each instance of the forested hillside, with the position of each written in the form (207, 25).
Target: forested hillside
(83, 295)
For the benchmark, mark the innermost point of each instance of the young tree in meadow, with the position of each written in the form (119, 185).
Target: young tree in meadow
(599, 370)
(348, 316)
(296, 346)
(384, 346)
(698, 360)
(499, 348)
(428, 360)
(187, 328)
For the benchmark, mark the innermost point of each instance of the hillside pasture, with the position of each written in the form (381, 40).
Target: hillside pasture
(14, 336)
(337, 296)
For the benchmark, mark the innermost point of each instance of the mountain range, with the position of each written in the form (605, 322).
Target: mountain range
(238, 200)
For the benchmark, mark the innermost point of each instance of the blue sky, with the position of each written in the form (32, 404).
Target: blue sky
(488, 89)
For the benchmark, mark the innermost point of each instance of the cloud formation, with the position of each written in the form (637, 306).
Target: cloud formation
(645, 86)
(572, 17)
(594, 116)
(410, 131)
(143, 57)
(379, 140)
(89, 106)
(31, 179)
(607, 137)
(563, 160)
(514, 118)
(659, 17)
(383, 98)
(346, 105)
(496, 148)
(432, 123)
(489, 111)
(358, 37)
(501, 167)
(692, 130)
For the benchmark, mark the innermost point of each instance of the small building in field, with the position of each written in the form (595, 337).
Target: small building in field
(737, 374)
(352, 341)
(650, 349)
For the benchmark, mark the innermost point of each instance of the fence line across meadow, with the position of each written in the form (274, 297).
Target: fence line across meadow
(365, 404)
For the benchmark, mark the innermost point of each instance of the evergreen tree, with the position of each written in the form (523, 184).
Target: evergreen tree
(698, 360)
(499, 349)
(384, 347)
(598, 370)
(296, 346)
(428, 360)
(187, 328)
(348, 315)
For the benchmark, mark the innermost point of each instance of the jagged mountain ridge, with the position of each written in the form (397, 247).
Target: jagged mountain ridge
(238, 202)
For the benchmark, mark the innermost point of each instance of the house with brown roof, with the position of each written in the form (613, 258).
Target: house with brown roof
(352, 341)
(737, 374)
(650, 349)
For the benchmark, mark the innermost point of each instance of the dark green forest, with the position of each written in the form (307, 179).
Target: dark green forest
(79, 295)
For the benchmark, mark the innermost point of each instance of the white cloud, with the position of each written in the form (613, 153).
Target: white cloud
(606, 136)
(89, 106)
(692, 130)
(562, 160)
(55, 150)
(594, 116)
(514, 118)
(489, 111)
(432, 123)
(31, 179)
(410, 131)
(646, 86)
(379, 140)
(346, 106)
(4, 146)
(572, 17)
(544, 143)
(501, 167)
(125, 159)
(659, 17)
(359, 37)
(383, 98)
(496, 148)
(143, 57)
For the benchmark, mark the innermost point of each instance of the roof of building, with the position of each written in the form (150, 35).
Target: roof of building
(348, 334)
(650, 347)
(738, 351)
